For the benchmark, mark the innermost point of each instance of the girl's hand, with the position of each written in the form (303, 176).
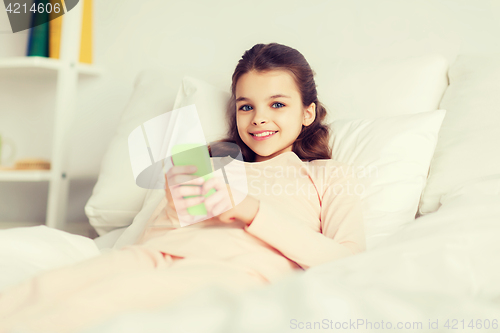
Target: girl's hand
(175, 178)
(220, 203)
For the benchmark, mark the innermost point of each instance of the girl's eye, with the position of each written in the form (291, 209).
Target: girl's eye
(280, 105)
(244, 107)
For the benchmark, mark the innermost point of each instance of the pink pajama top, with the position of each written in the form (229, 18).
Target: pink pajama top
(309, 214)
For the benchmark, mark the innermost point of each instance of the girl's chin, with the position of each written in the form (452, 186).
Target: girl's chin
(265, 154)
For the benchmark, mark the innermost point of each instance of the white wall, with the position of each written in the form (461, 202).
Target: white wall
(205, 39)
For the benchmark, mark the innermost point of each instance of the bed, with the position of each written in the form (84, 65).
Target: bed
(432, 208)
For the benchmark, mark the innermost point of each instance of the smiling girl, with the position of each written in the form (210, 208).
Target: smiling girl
(302, 209)
(276, 119)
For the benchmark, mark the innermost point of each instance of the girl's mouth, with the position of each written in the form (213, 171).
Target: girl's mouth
(263, 135)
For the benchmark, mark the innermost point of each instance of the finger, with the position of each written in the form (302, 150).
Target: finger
(179, 170)
(185, 180)
(207, 185)
(182, 169)
(175, 192)
(193, 201)
(180, 191)
(218, 203)
(212, 200)
(213, 182)
(184, 203)
(210, 204)
(185, 190)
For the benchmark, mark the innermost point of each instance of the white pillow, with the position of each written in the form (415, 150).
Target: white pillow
(116, 199)
(479, 187)
(391, 157)
(401, 147)
(350, 89)
(382, 88)
(211, 104)
(468, 142)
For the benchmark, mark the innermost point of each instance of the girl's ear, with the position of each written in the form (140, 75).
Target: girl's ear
(309, 114)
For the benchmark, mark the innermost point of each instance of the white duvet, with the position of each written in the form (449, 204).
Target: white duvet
(439, 273)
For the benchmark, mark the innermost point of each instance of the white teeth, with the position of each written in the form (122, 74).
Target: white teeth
(264, 133)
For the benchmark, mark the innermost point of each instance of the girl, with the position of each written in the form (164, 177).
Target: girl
(302, 209)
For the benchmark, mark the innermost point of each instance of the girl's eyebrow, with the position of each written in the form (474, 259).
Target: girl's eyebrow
(279, 95)
(273, 96)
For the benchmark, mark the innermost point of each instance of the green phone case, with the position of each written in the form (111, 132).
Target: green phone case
(194, 154)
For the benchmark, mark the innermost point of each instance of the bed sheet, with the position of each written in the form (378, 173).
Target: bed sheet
(107, 241)
(27, 251)
(442, 266)
(436, 273)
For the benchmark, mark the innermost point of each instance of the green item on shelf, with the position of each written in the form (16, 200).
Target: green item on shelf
(38, 44)
(197, 155)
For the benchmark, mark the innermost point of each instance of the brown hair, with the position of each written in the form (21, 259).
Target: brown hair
(313, 140)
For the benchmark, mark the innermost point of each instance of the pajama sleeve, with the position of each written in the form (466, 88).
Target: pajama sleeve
(341, 219)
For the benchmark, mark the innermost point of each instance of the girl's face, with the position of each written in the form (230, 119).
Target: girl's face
(269, 112)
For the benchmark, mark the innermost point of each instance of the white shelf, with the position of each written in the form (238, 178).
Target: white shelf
(43, 63)
(65, 72)
(24, 175)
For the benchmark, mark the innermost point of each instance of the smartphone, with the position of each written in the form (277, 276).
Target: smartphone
(194, 154)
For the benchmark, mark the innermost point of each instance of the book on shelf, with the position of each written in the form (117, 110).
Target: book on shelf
(45, 39)
(38, 40)
(86, 36)
(55, 26)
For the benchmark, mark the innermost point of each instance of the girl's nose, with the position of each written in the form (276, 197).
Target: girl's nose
(259, 118)
(259, 121)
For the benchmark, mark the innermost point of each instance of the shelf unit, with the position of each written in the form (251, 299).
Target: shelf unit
(67, 70)
(44, 64)
(25, 175)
